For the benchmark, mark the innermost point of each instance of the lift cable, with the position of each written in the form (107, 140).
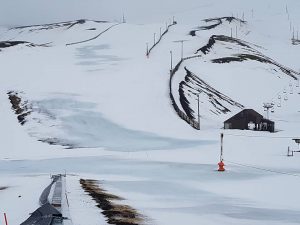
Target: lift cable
(263, 169)
(257, 136)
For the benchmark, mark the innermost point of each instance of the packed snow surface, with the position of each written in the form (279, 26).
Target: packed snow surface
(82, 97)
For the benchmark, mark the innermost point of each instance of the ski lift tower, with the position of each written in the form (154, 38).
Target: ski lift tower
(181, 41)
(297, 140)
(267, 107)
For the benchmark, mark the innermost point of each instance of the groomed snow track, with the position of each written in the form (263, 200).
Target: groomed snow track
(50, 212)
(93, 38)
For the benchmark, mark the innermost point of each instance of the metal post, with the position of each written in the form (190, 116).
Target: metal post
(293, 33)
(171, 54)
(124, 21)
(154, 37)
(267, 106)
(221, 155)
(181, 50)
(181, 41)
(198, 111)
(160, 31)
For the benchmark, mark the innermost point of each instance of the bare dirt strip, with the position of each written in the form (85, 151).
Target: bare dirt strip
(115, 213)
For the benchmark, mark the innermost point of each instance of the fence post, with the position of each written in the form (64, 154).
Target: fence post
(6, 223)
(147, 49)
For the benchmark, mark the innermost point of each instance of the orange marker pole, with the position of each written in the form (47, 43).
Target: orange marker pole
(221, 155)
(6, 223)
(221, 163)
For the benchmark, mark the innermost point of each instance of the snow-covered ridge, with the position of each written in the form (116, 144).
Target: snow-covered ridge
(57, 33)
(217, 22)
(193, 86)
(239, 51)
(67, 25)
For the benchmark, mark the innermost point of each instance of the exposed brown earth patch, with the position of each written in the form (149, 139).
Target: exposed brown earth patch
(115, 213)
(22, 110)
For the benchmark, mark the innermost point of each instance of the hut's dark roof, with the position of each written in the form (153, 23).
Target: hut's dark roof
(246, 113)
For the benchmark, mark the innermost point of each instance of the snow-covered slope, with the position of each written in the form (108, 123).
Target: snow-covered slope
(82, 96)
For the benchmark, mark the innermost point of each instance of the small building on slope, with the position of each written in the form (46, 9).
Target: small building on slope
(249, 119)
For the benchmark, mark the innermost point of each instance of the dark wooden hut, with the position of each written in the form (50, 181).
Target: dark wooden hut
(249, 119)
